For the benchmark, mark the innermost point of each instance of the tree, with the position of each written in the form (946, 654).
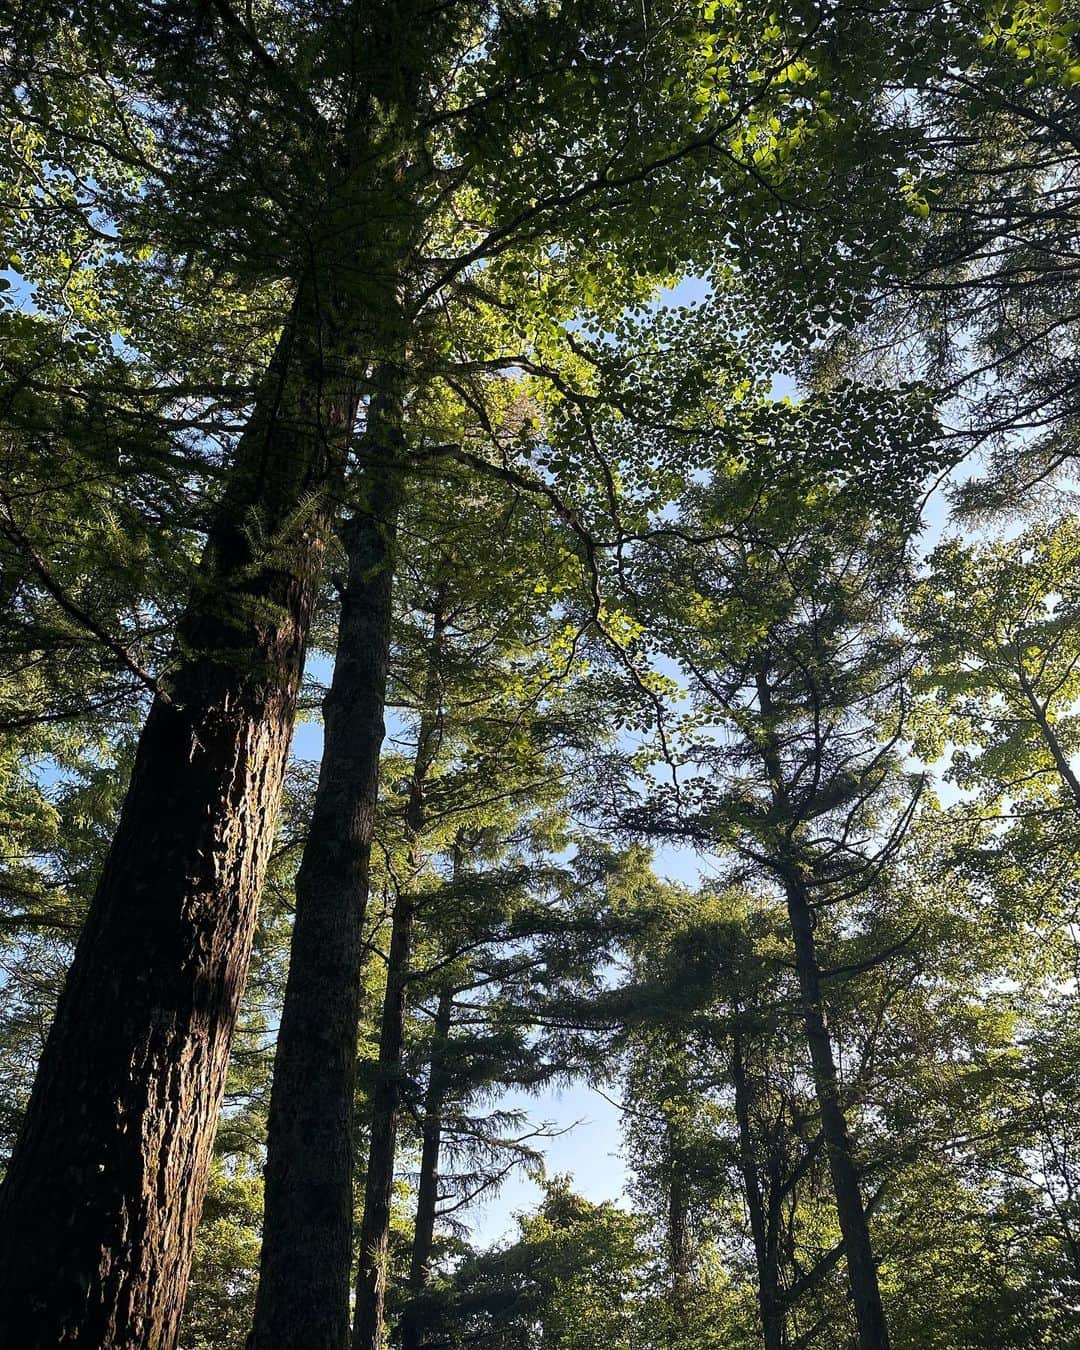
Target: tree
(806, 688)
(118, 1130)
(175, 983)
(983, 306)
(307, 1241)
(386, 286)
(565, 1284)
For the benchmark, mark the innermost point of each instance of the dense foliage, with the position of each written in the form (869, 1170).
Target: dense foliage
(635, 446)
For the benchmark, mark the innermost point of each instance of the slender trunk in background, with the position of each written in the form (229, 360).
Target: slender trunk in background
(1049, 735)
(382, 1150)
(762, 1225)
(303, 1294)
(427, 1195)
(386, 1097)
(678, 1235)
(675, 1090)
(858, 1252)
(99, 1206)
(302, 1302)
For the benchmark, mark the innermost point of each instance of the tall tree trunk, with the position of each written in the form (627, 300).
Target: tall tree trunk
(385, 1104)
(427, 1195)
(678, 1234)
(762, 1226)
(671, 1077)
(386, 1098)
(858, 1252)
(99, 1206)
(303, 1295)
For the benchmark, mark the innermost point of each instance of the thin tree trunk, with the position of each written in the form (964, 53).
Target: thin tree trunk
(100, 1203)
(427, 1195)
(862, 1269)
(678, 1236)
(672, 1078)
(770, 1304)
(1049, 735)
(303, 1294)
(385, 1103)
(386, 1098)
(858, 1252)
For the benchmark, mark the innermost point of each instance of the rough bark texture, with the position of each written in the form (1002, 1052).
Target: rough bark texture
(386, 1098)
(862, 1269)
(99, 1206)
(427, 1194)
(303, 1295)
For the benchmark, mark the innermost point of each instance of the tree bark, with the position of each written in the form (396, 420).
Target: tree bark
(862, 1269)
(386, 1098)
(762, 1226)
(100, 1203)
(304, 1277)
(427, 1195)
(677, 1233)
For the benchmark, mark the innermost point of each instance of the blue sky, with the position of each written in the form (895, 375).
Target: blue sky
(589, 1147)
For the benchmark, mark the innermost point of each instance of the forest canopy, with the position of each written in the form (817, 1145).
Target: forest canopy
(634, 447)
